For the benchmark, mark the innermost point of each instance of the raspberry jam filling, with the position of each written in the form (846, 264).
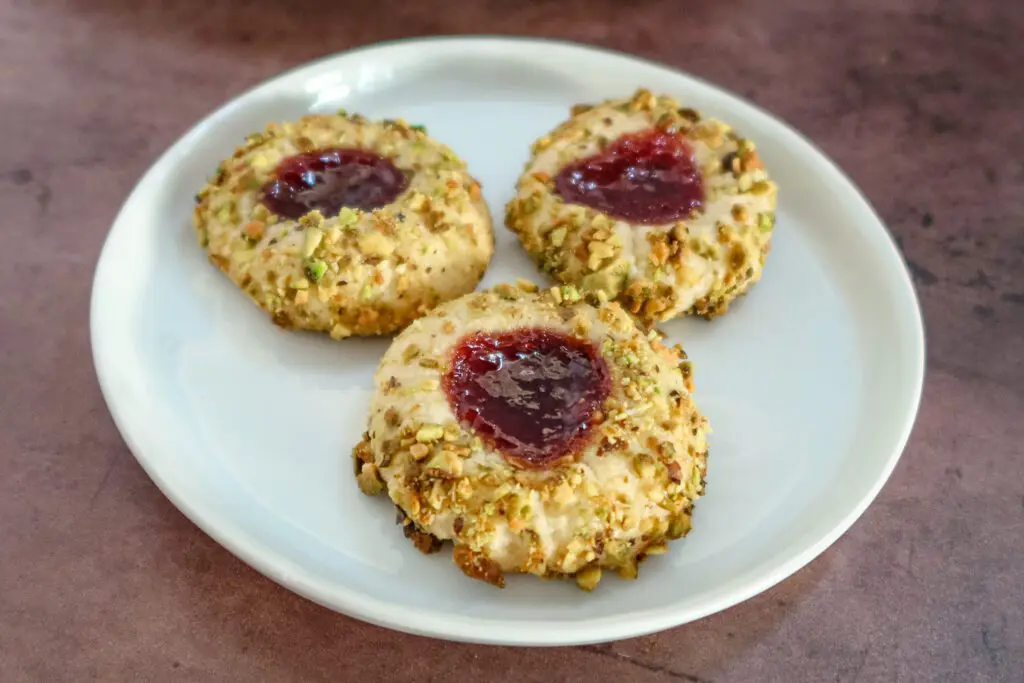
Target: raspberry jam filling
(530, 393)
(648, 177)
(331, 179)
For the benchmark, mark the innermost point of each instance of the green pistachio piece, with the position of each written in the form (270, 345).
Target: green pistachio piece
(347, 217)
(315, 269)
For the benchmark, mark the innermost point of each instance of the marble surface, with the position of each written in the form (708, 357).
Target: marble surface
(919, 101)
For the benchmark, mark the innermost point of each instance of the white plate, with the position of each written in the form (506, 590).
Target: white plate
(811, 383)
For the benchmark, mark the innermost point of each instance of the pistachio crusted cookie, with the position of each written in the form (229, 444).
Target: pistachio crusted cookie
(539, 432)
(664, 210)
(339, 224)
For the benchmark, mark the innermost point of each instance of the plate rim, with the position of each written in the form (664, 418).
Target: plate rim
(419, 621)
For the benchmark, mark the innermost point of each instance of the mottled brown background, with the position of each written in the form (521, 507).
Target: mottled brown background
(919, 100)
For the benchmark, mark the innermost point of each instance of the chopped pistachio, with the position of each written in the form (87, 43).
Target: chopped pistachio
(347, 217)
(600, 250)
(451, 432)
(696, 480)
(315, 269)
(628, 570)
(429, 433)
(313, 219)
(504, 290)
(260, 213)
(339, 331)
(588, 578)
(765, 222)
(313, 238)
(679, 526)
(445, 463)
(369, 480)
(570, 294)
(419, 201)
(644, 466)
(557, 236)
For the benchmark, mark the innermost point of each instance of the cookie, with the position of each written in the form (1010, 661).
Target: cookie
(666, 211)
(538, 432)
(339, 224)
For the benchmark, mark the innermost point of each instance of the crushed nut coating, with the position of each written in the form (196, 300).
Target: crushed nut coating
(357, 272)
(693, 266)
(628, 489)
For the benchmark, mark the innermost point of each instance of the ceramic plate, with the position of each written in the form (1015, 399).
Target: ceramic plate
(811, 382)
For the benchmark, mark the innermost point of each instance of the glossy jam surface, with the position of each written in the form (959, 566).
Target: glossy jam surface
(648, 177)
(531, 393)
(332, 179)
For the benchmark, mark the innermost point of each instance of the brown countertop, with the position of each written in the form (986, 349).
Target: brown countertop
(920, 101)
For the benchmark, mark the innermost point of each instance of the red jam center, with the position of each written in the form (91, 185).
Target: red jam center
(331, 179)
(649, 177)
(531, 393)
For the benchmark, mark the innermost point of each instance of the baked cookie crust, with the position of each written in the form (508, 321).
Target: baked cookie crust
(694, 266)
(619, 497)
(357, 272)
